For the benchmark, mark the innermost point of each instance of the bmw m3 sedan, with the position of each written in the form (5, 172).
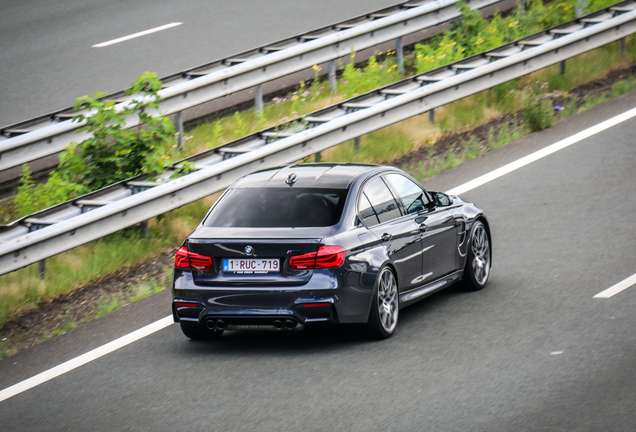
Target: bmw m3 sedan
(289, 247)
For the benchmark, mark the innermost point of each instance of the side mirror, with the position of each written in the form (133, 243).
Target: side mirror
(441, 199)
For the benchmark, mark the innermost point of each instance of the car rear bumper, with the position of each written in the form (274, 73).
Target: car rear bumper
(339, 302)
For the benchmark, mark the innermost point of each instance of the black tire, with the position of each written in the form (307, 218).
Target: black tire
(195, 331)
(384, 313)
(478, 258)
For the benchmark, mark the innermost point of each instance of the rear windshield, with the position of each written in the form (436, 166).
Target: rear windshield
(278, 207)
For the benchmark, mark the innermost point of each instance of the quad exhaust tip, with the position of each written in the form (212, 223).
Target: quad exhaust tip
(216, 325)
(285, 325)
(220, 325)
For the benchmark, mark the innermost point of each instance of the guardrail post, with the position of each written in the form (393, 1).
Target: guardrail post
(562, 68)
(258, 98)
(623, 47)
(332, 77)
(42, 269)
(399, 51)
(579, 8)
(431, 116)
(356, 144)
(178, 125)
(144, 226)
(318, 157)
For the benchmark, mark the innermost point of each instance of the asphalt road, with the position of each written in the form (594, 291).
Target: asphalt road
(47, 59)
(533, 351)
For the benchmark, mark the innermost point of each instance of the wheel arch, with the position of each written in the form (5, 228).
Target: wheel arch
(482, 218)
(478, 218)
(390, 265)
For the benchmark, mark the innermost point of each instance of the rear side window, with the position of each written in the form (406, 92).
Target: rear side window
(278, 207)
(412, 196)
(369, 218)
(382, 200)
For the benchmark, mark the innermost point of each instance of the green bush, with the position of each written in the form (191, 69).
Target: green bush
(538, 110)
(113, 153)
(375, 74)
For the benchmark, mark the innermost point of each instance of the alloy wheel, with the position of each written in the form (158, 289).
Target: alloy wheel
(481, 255)
(388, 301)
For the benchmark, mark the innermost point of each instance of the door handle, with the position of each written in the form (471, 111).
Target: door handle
(423, 228)
(386, 237)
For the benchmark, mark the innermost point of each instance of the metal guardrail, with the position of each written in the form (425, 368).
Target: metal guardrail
(113, 208)
(49, 135)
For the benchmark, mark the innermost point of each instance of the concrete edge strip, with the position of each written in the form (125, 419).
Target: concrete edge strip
(165, 322)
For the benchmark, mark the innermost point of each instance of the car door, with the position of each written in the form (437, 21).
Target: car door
(436, 225)
(396, 232)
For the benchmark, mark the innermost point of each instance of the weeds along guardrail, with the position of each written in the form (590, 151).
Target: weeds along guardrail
(47, 233)
(49, 135)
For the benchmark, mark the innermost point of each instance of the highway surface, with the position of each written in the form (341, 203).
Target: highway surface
(533, 351)
(47, 58)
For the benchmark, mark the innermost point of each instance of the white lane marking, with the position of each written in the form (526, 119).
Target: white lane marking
(85, 358)
(546, 151)
(164, 322)
(613, 290)
(136, 35)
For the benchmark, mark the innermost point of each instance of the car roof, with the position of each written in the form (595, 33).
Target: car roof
(316, 175)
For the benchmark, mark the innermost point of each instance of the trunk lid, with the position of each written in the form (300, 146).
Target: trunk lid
(271, 247)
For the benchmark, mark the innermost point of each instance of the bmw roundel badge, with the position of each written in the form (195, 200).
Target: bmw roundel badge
(249, 250)
(291, 179)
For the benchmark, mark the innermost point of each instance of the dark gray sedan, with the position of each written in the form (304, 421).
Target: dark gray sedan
(325, 243)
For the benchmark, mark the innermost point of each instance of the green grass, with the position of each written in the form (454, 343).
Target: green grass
(146, 287)
(108, 304)
(464, 150)
(400, 139)
(69, 324)
(22, 290)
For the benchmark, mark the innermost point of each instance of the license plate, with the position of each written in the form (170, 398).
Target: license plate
(251, 266)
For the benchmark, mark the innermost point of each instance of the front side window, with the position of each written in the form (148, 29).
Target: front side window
(412, 196)
(278, 207)
(382, 200)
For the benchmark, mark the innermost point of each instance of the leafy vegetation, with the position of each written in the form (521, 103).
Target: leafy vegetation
(145, 288)
(538, 110)
(112, 153)
(69, 324)
(23, 289)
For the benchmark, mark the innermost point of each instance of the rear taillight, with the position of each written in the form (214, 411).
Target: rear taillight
(327, 256)
(188, 260)
(186, 304)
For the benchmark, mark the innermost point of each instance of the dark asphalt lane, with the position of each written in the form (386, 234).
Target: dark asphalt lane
(47, 59)
(533, 351)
